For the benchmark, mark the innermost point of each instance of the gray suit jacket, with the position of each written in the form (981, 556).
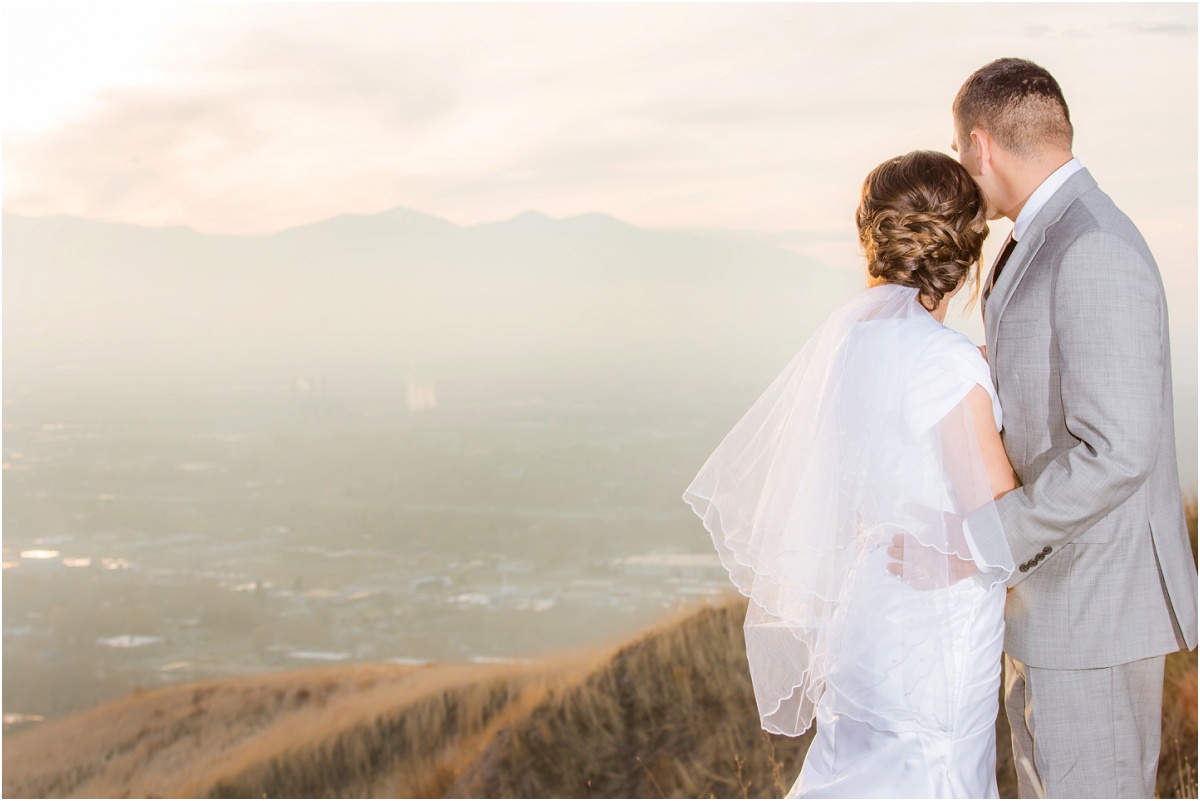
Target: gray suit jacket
(1077, 341)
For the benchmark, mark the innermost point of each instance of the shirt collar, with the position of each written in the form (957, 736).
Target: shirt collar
(1043, 193)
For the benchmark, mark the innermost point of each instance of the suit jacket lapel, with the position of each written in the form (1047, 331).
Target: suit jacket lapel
(1027, 248)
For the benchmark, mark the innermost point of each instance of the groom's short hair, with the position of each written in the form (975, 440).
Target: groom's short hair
(1018, 103)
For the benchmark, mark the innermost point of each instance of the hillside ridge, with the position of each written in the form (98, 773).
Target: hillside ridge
(668, 713)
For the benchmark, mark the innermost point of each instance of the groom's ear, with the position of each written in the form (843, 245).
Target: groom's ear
(983, 146)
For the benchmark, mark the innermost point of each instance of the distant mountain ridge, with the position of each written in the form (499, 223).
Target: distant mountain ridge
(421, 288)
(596, 237)
(398, 217)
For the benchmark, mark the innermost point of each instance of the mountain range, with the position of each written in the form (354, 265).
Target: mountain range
(400, 287)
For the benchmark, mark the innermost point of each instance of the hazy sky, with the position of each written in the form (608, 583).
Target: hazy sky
(240, 118)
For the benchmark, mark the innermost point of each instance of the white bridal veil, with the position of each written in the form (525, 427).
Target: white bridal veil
(865, 434)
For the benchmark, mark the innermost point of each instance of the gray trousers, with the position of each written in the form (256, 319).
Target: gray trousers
(1085, 733)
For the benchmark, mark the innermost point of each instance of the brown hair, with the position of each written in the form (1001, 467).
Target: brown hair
(1018, 103)
(922, 221)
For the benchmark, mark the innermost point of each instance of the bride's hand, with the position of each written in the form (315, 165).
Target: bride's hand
(925, 568)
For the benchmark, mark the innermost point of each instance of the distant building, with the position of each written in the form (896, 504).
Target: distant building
(320, 656)
(421, 396)
(128, 641)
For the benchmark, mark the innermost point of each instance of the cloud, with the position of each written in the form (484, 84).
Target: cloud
(1164, 28)
(308, 71)
(269, 115)
(760, 116)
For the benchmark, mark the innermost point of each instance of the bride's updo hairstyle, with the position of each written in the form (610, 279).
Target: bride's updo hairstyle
(922, 221)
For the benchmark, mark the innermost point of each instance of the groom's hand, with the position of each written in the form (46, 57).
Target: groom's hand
(923, 567)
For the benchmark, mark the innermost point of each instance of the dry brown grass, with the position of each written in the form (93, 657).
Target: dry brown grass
(669, 714)
(1177, 762)
(370, 731)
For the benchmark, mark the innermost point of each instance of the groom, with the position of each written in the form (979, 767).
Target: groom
(1076, 327)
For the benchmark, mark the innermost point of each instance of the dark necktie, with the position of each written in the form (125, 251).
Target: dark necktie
(1009, 247)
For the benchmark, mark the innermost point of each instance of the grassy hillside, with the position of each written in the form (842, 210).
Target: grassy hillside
(670, 713)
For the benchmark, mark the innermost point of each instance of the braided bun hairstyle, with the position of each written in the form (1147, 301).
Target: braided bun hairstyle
(922, 221)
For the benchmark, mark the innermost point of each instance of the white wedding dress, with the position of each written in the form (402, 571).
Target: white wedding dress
(865, 435)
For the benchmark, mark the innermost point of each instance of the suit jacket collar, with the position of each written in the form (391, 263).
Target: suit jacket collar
(1028, 246)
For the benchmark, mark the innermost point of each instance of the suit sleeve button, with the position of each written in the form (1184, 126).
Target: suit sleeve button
(1024, 568)
(1046, 549)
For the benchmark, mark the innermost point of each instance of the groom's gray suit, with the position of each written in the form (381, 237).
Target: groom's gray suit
(1077, 337)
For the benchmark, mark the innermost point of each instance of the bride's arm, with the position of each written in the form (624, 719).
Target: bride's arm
(1002, 478)
(956, 436)
(999, 470)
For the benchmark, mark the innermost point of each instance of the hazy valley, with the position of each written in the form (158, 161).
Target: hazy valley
(373, 439)
(370, 439)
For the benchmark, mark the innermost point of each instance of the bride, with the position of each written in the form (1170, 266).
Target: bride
(837, 504)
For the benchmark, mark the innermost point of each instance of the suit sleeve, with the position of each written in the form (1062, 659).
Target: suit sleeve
(1108, 319)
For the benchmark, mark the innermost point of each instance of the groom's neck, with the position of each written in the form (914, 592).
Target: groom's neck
(1023, 176)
